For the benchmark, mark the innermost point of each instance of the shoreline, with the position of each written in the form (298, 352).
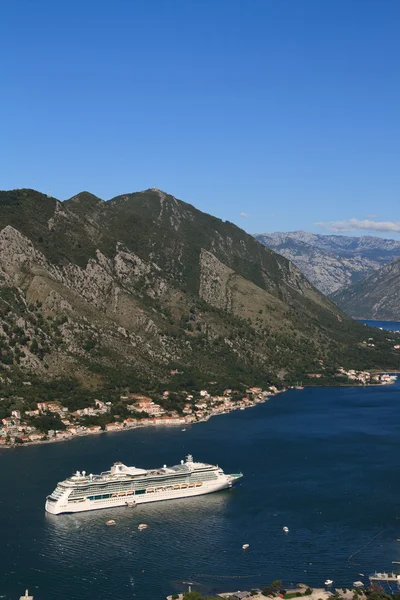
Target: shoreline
(168, 425)
(316, 593)
(203, 420)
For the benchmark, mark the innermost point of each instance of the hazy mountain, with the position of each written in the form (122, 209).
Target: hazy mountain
(375, 297)
(145, 282)
(332, 261)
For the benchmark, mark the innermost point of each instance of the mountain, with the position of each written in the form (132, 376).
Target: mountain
(375, 297)
(332, 261)
(135, 287)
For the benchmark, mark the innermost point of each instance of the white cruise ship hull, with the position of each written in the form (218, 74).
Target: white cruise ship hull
(65, 506)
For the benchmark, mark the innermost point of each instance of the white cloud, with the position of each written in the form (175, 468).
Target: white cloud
(244, 215)
(356, 224)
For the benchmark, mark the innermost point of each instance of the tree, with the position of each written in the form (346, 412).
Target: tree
(47, 421)
(192, 595)
(276, 584)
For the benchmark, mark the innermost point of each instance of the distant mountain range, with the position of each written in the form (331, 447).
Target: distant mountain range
(332, 262)
(144, 284)
(375, 297)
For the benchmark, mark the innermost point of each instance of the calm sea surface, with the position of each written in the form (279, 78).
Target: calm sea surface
(324, 462)
(389, 325)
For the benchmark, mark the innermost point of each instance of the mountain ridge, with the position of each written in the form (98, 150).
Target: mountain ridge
(376, 297)
(332, 261)
(135, 285)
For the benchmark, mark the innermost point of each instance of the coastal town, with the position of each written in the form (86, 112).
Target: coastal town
(20, 427)
(15, 429)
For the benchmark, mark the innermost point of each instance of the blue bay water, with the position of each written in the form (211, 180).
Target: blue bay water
(322, 461)
(389, 325)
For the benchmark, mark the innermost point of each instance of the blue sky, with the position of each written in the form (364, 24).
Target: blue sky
(285, 112)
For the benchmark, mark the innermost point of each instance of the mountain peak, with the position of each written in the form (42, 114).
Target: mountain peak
(143, 282)
(85, 198)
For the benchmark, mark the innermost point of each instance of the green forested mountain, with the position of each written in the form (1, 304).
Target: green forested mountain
(144, 283)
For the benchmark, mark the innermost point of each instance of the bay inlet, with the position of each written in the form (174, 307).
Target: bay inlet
(322, 461)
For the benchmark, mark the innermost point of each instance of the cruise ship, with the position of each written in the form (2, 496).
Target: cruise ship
(127, 486)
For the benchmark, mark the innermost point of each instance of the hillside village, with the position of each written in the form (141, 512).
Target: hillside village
(19, 427)
(29, 426)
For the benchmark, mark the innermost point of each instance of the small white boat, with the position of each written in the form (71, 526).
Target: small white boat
(245, 546)
(183, 429)
(142, 526)
(358, 584)
(110, 522)
(285, 529)
(328, 582)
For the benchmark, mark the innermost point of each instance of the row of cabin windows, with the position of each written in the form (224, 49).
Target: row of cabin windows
(127, 485)
(98, 489)
(106, 496)
(136, 493)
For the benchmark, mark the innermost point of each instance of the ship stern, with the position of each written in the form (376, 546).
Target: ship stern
(52, 506)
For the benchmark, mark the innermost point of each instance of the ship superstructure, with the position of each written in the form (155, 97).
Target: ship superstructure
(123, 485)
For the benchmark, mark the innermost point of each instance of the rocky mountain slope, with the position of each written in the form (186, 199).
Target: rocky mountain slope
(332, 261)
(375, 297)
(131, 288)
